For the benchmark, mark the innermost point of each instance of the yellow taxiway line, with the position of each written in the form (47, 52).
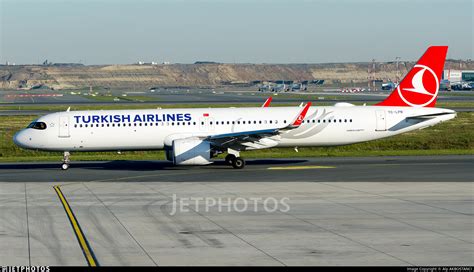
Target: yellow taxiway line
(302, 167)
(86, 249)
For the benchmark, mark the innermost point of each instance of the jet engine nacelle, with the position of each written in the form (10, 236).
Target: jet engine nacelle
(191, 151)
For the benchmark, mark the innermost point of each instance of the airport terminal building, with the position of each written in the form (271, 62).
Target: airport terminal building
(458, 75)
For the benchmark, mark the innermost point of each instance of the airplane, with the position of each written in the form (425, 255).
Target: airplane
(281, 87)
(196, 136)
(388, 86)
(265, 88)
(297, 87)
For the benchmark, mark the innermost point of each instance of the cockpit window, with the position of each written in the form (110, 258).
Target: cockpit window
(37, 125)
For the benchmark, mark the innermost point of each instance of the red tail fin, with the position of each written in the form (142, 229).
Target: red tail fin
(420, 86)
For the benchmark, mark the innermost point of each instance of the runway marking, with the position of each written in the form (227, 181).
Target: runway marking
(81, 238)
(303, 167)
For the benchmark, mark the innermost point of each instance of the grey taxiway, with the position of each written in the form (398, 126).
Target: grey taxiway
(341, 211)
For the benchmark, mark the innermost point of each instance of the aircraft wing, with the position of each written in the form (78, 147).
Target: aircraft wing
(255, 138)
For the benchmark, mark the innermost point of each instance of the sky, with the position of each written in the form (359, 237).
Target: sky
(231, 31)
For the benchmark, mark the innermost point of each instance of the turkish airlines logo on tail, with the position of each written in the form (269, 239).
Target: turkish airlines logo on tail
(424, 87)
(420, 86)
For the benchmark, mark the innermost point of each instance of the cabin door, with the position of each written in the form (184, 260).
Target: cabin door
(380, 121)
(64, 126)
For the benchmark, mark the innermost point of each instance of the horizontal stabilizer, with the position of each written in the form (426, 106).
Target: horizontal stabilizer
(429, 116)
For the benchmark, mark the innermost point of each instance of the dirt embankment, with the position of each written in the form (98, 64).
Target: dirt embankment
(198, 75)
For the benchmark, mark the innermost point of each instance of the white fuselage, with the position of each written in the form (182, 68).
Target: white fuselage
(111, 130)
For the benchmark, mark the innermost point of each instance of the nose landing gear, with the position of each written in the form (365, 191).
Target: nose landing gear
(66, 160)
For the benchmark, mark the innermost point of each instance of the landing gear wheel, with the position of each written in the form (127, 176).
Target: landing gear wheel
(66, 160)
(229, 158)
(238, 163)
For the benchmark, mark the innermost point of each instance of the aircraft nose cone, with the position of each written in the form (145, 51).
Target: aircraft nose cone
(20, 139)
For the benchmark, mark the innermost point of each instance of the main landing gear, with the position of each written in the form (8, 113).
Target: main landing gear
(66, 160)
(236, 161)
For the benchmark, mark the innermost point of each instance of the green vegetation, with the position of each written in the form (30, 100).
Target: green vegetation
(453, 137)
(130, 106)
